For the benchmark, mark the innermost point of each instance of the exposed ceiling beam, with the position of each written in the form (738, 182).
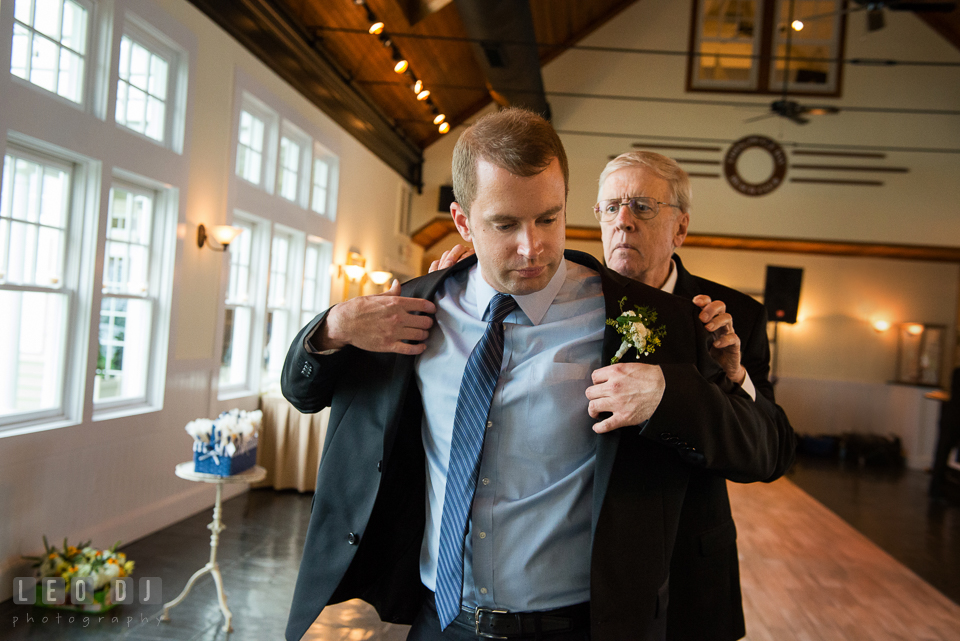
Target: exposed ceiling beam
(295, 55)
(506, 49)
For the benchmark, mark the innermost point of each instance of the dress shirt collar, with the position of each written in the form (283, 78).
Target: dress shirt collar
(534, 305)
(671, 283)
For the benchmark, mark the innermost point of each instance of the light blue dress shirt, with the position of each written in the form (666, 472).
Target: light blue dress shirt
(528, 546)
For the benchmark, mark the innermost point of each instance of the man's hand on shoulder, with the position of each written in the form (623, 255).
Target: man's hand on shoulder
(451, 257)
(631, 392)
(726, 343)
(379, 323)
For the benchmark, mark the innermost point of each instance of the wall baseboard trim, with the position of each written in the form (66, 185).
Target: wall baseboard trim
(128, 527)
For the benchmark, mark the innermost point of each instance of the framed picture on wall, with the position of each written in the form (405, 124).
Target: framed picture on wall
(919, 353)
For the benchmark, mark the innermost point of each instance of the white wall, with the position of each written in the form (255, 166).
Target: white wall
(113, 479)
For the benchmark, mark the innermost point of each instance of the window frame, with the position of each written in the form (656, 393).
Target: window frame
(80, 242)
(90, 55)
(271, 142)
(157, 43)
(296, 255)
(322, 154)
(296, 135)
(159, 282)
(260, 237)
(764, 69)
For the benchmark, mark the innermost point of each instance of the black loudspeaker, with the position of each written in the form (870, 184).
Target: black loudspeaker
(446, 198)
(781, 295)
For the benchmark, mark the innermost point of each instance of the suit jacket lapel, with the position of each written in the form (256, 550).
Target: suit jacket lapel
(686, 285)
(608, 443)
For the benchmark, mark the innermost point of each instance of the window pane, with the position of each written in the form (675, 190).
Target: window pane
(32, 329)
(44, 63)
(46, 19)
(123, 356)
(4, 245)
(139, 66)
(125, 58)
(279, 258)
(127, 253)
(33, 212)
(23, 11)
(155, 114)
(74, 27)
(728, 38)
(20, 55)
(250, 144)
(70, 82)
(158, 77)
(318, 199)
(236, 346)
(277, 343)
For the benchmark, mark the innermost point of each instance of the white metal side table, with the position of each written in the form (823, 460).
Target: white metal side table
(185, 471)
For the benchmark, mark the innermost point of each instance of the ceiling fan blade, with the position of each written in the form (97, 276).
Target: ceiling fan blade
(761, 117)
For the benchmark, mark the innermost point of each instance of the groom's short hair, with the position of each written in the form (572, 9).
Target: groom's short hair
(513, 139)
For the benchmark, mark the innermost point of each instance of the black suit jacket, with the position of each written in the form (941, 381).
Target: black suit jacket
(368, 515)
(705, 601)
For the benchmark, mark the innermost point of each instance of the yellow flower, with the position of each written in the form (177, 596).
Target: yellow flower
(123, 573)
(71, 550)
(112, 561)
(52, 555)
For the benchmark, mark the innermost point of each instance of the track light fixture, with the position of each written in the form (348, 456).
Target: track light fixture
(439, 119)
(423, 95)
(401, 66)
(444, 127)
(376, 28)
(418, 86)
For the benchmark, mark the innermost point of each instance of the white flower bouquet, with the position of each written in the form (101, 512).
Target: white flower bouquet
(226, 445)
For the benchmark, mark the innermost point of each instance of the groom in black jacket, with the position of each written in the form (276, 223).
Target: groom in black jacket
(584, 519)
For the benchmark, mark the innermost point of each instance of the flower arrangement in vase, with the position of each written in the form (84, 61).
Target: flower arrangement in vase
(226, 445)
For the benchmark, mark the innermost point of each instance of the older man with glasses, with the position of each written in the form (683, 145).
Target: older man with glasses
(644, 212)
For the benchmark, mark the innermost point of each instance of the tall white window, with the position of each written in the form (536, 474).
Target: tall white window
(34, 303)
(285, 248)
(49, 45)
(129, 301)
(321, 180)
(289, 170)
(250, 147)
(323, 192)
(142, 89)
(240, 309)
(316, 279)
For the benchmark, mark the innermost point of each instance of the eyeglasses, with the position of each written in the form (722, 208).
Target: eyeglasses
(642, 207)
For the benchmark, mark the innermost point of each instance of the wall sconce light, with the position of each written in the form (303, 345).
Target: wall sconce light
(914, 329)
(222, 235)
(881, 325)
(380, 277)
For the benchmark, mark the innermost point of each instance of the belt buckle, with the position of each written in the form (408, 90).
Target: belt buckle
(476, 622)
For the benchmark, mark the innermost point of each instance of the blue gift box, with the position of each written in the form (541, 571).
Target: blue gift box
(223, 460)
(207, 462)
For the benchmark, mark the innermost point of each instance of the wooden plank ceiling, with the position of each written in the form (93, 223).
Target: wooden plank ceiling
(323, 49)
(437, 49)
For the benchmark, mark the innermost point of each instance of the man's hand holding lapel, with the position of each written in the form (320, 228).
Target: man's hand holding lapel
(384, 322)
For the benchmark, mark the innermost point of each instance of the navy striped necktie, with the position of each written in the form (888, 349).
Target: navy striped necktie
(469, 425)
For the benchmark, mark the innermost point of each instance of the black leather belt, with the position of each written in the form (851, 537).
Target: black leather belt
(500, 624)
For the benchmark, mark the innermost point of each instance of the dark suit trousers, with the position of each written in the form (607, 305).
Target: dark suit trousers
(427, 628)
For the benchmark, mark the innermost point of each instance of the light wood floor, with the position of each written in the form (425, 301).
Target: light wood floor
(809, 576)
(806, 576)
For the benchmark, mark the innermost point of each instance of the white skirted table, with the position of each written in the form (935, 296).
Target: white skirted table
(289, 444)
(185, 471)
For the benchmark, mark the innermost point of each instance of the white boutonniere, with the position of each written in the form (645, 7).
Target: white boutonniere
(636, 327)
